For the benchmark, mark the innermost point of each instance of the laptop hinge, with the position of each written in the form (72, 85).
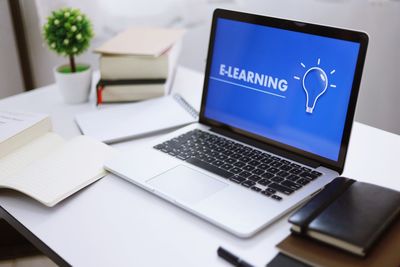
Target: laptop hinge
(266, 147)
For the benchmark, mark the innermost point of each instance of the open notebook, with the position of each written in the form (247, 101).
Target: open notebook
(42, 165)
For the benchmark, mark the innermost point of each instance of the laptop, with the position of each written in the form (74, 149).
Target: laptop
(276, 114)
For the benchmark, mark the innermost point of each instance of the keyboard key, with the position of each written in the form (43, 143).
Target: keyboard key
(277, 179)
(248, 168)
(283, 174)
(308, 176)
(254, 178)
(218, 163)
(275, 158)
(219, 149)
(267, 175)
(227, 152)
(230, 160)
(201, 156)
(270, 190)
(255, 188)
(235, 170)
(254, 163)
(221, 157)
(266, 155)
(316, 173)
(295, 171)
(276, 164)
(158, 147)
(209, 167)
(293, 177)
(245, 159)
(264, 182)
(284, 161)
(183, 156)
(214, 154)
(276, 197)
(226, 166)
(266, 161)
(294, 165)
(236, 156)
(238, 179)
(273, 170)
(248, 183)
(239, 164)
(285, 168)
(209, 159)
(302, 181)
(306, 169)
(291, 185)
(245, 174)
(258, 171)
(263, 166)
(281, 188)
(257, 157)
(266, 193)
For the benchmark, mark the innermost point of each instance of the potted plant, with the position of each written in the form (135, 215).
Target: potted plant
(68, 33)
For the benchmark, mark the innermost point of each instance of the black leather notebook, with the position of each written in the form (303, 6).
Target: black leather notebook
(348, 214)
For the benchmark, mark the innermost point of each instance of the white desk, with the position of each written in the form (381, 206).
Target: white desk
(114, 223)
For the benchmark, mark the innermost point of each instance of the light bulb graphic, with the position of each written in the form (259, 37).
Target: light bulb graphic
(315, 83)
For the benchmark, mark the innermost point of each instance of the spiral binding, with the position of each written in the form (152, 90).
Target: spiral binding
(186, 105)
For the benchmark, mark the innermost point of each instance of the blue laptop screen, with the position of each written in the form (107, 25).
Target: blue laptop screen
(287, 86)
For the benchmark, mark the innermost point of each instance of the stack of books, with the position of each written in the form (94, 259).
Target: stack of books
(349, 223)
(137, 64)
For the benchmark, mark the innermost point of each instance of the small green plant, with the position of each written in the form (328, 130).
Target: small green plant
(68, 32)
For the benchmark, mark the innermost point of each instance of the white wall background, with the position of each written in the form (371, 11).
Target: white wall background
(379, 97)
(10, 73)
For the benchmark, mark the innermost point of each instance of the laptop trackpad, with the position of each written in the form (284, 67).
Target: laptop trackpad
(186, 185)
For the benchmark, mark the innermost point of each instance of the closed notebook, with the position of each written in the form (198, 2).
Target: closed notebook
(384, 254)
(348, 214)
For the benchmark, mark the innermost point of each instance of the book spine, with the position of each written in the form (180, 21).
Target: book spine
(99, 93)
(132, 81)
(186, 105)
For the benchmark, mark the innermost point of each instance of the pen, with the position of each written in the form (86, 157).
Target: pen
(232, 259)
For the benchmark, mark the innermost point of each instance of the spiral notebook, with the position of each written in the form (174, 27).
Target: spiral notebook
(135, 120)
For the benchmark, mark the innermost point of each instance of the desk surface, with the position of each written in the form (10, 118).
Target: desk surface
(114, 223)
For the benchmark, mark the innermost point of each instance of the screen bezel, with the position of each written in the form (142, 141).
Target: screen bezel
(326, 31)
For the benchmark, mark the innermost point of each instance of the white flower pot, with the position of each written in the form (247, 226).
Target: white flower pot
(74, 87)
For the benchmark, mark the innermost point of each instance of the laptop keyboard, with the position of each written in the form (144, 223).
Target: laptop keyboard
(259, 171)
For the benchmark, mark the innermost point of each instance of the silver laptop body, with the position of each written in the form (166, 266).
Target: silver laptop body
(217, 192)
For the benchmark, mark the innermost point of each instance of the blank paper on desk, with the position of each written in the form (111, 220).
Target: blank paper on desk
(128, 121)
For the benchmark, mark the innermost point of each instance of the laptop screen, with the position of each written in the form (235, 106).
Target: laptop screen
(286, 86)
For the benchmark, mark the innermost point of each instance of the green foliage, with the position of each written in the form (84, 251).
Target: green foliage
(68, 32)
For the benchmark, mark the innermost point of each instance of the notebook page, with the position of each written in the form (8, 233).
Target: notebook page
(61, 173)
(132, 120)
(22, 157)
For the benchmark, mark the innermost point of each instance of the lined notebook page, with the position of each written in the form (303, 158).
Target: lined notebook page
(28, 154)
(63, 172)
